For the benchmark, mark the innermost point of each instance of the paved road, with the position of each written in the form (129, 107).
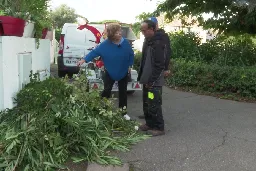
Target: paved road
(202, 134)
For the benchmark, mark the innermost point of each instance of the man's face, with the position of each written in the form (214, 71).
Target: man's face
(147, 32)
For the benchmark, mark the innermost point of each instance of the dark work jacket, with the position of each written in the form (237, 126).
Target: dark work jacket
(168, 48)
(152, 66)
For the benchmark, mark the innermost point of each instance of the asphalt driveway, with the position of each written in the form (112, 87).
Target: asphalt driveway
(202, 134)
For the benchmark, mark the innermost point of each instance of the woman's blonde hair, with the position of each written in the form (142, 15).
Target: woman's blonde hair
(112, 29)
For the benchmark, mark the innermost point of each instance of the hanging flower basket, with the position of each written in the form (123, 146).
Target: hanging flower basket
(11, 26)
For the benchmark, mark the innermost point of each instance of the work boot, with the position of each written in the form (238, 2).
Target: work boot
(144, 127)
(141, 117)
(155, 132)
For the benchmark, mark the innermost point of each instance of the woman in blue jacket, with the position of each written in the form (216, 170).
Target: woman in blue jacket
(118, 56)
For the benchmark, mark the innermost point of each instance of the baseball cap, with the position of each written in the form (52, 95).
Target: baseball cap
(154, 19)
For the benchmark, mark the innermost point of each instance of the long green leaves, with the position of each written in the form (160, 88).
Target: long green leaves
(54, 121)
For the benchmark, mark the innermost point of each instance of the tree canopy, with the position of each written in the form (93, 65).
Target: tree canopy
(229, 16)
(63, 14)
(105, 21)
(140, 18)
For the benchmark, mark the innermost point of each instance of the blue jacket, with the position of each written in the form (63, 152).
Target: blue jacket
(117, 58)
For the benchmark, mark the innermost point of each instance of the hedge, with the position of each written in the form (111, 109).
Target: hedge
(225, 65)
(240, 81)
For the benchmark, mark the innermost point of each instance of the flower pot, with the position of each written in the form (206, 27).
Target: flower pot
(44, 33)
(11, 26)
(29, 30)
(47, 34)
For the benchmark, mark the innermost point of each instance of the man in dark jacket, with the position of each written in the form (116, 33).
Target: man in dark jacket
(168, 45)
(151, 75)
(168, 53)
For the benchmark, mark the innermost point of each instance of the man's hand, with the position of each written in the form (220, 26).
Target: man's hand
(79, 63)
(148, 85)
(167, 73)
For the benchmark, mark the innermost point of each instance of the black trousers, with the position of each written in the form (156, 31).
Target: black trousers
(152, 107)
(122, 89)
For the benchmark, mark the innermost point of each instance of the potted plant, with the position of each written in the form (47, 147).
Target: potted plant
(13, 17)
(42, 26)
(20, 14)
(40, 17)
(12, 20)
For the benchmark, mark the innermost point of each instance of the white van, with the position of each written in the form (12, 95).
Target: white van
(75, 44)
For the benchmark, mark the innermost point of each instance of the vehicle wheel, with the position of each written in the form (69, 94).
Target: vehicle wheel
(61, 74)
(131, 92)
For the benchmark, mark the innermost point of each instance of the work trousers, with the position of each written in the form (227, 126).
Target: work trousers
(152, 107)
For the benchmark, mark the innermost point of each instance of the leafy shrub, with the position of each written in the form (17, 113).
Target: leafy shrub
(57, 34)
(224, 65)
(55, 120)
(184, 45)
(137, 59)
(214, 78)
(232, 51)
(224, 51)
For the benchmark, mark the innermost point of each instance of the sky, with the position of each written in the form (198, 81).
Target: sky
(98, 10)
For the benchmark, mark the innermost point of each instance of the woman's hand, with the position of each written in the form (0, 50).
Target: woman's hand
(129, 70)
(79, 63)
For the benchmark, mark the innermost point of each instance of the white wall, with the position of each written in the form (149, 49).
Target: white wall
(54, 50)
(1, 81)
(53, 45)
(9, 73)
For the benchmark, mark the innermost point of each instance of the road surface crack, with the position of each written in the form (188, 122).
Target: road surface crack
(224, 139)
(244, 139)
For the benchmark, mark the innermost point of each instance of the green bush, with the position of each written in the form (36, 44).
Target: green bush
(232, 51)
(55, 120)
(137, 59)
(57, 34)
(184, 45)
(214, 78)
(222, 65)
(224, 51)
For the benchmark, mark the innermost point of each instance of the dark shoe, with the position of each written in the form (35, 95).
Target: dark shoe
(155, 132)
(144, 127)
(141, 117)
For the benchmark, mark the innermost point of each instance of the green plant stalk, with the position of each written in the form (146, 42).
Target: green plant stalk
(57, 120)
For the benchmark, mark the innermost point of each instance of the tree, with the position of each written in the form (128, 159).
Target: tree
(229, 16)
(144, 16)
(63, 14)
(140, 18)
(136, 28)
(105, 21)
